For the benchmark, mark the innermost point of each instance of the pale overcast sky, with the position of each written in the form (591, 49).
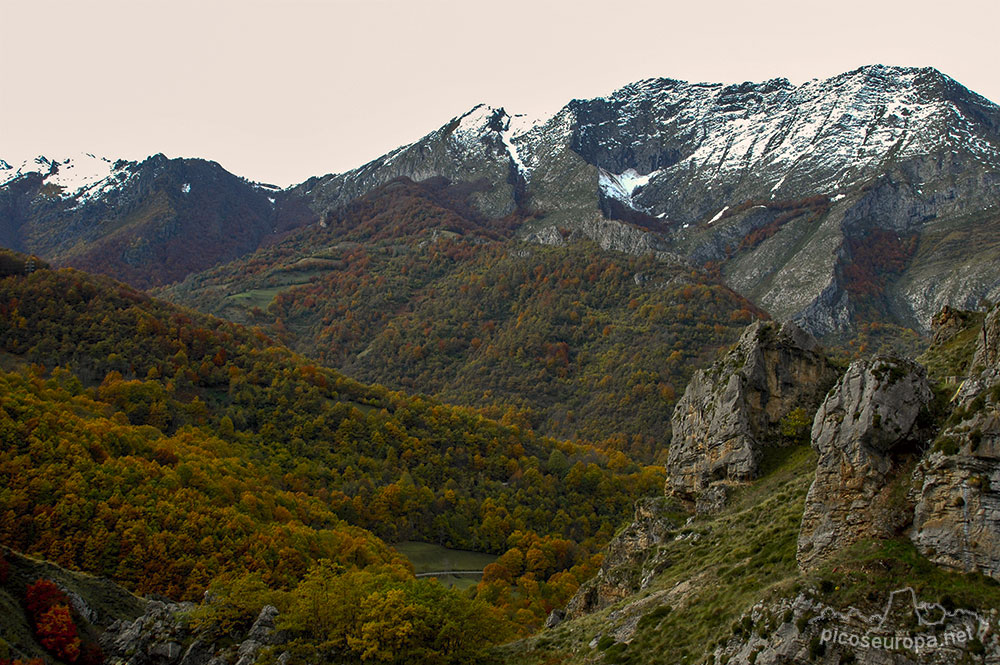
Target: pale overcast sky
(279, 90)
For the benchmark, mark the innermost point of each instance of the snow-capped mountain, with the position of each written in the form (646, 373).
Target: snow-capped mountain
(868, 196)
(150, 222)
(725, 175)
(82, 177)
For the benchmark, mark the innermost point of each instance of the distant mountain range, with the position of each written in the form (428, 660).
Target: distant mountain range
(867, 197)
(149, 223)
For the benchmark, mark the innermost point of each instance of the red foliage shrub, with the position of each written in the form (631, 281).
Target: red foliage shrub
(4, 569)
(56, 632)
(876, 257)
(42, 596)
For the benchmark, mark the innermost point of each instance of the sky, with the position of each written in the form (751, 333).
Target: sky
(280, 90)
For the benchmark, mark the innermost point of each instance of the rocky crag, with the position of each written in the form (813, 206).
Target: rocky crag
(957, 486)
(899, 534)
(863, 431)
(731, 412)
(804, 629)
(631, 559)
(163, 636)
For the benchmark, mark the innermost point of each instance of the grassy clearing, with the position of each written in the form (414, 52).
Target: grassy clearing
(430, 558)
(256, 297)
(278, 280)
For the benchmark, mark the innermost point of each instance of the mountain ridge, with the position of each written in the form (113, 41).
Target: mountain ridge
(907, 158)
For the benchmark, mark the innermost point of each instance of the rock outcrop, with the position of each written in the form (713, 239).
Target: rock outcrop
(729, 412)
(957, 513)
(161, 637)
(630, 560)
(96, 602)
(864, 428)
(803, 629)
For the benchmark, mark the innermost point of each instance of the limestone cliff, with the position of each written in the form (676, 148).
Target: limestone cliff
(729, 412)
(957, 514)
(630, 560)
(862, 432)
(886, 471)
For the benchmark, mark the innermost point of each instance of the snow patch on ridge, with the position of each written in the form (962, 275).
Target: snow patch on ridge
(39, 164)
(84, 176)
(80, 173)
(621, 186)
(718, 215)
(844, 127)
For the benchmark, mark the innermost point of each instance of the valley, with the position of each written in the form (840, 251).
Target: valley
(689, 373)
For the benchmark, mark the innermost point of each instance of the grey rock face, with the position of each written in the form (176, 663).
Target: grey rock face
(81, 607)
(957, 514)
(712, 500)
(729, 411)
(263, 627)
(161, 637)
(858, 432)
(984, 372)
(155, 638)
(630, 559)
(804, 630)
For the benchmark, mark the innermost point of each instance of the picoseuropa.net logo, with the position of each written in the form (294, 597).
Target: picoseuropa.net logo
(906, 624)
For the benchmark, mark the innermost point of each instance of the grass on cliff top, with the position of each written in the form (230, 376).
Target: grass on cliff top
(721, 565)
(863, 575)
(951, 357)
